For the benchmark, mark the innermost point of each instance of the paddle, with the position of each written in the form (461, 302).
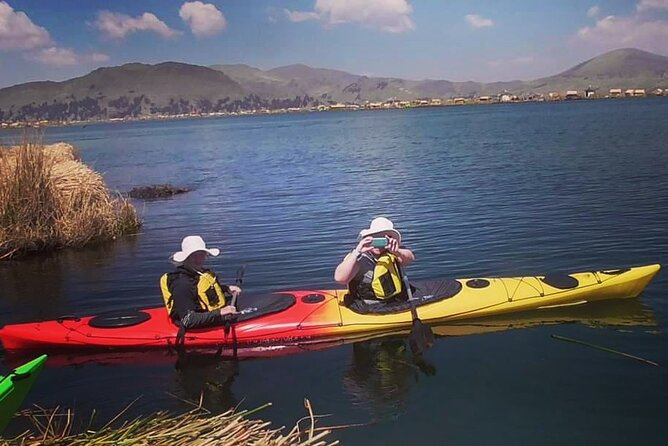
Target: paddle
(421, 336)
(239, 281)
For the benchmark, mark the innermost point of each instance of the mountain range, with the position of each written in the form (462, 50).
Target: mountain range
(170, 88)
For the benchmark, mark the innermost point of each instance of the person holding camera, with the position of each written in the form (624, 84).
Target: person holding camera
(372, 270)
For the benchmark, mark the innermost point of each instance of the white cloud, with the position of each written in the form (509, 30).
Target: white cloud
(301, 16)
(477, 21)
(594, 12)
(627, 31)
(204, 19)
(386, 15)
(99, 57)
(644, 5)
(17, 31)
(60, 57)
(117, 26)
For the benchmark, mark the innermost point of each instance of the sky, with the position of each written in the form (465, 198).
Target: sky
(455, 40)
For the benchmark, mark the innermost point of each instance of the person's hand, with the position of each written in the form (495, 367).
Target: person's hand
(364, 245)
(229, 309)
(392, 245)
(235, 290)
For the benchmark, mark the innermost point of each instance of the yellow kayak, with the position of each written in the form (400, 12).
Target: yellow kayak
(480, 297)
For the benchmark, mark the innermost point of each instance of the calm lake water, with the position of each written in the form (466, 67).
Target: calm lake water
(476, 191)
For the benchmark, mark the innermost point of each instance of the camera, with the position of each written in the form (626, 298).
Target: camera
(379, 242)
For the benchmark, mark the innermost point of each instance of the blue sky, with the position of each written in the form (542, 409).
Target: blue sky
(416, 39)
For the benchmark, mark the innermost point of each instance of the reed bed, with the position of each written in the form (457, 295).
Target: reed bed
(195, 428)
(49, 199)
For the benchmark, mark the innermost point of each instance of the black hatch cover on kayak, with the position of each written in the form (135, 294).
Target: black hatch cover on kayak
(424, 293)
(115, 319)
(250, 307)
(560, 281)
(477, 283)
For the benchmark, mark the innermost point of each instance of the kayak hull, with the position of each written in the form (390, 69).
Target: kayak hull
(15, 386)
(321, 316)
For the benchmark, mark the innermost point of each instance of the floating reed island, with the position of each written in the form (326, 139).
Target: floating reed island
(156, 191)
(49, 200)
(197, 427)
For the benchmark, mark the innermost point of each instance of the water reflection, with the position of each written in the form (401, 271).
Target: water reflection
(383, 371)
(622, 314)
(42, 287)
(381, 375)
(206, 376)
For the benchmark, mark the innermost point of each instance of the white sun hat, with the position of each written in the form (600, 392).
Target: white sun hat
(190, 244)
(381, 224)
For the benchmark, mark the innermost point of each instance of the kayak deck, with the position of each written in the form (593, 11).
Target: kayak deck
(15, 386)
(321, 316)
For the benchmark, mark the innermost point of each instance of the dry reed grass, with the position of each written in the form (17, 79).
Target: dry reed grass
(49, 199)
(195, 428)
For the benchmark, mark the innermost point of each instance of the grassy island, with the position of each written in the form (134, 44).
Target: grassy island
(49, 200)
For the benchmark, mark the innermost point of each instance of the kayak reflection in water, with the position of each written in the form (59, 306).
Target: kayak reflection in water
(381, 374)
(209, 377)
(372, 270)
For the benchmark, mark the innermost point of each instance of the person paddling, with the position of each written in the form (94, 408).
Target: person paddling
(193, 296)
(372, 270)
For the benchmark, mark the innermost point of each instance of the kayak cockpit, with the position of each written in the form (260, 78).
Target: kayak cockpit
(424, 292)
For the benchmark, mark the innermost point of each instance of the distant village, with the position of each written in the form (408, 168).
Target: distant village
(391, 103)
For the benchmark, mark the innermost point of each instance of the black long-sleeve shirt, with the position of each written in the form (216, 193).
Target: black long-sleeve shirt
(187, 310)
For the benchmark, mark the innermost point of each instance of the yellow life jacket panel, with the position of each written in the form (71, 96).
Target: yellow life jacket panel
(210, 294)
(386, 282)
(166, 292)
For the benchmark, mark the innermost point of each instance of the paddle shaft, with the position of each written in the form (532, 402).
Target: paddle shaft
(409, 292)
(239, 281)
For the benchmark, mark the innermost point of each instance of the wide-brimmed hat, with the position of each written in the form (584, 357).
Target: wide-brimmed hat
(190, 244)
(378, 225)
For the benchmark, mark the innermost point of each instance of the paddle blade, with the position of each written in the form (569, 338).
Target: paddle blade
(240, 275)
(421, 337)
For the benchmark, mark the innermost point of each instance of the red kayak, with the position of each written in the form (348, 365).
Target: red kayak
(272, 319)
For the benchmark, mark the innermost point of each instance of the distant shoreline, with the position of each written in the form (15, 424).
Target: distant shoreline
(392, 105)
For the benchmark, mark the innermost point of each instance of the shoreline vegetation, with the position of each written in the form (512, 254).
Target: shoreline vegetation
(196, 427)
(390, 104)
(50, 200)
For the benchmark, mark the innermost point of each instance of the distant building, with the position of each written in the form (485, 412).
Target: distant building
(435, 102)
(572, 94)
(659, 92)
(553, 96)
(484, 99)
(505, 97)
(460, 101)
(629, 92)
(615, 92)
(639, 92)
(590, 93)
